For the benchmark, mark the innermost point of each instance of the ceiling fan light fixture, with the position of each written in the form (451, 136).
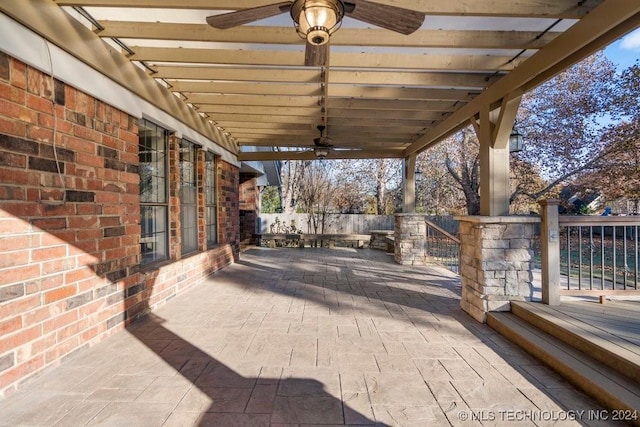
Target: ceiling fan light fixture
(321, 152)
(316, 20)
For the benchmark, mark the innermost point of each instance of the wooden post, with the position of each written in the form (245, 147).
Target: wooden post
(550, 252)
(409, 193)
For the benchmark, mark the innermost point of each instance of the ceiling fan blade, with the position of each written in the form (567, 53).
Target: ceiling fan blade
(400, 20)
(316, 56)
(245, 16)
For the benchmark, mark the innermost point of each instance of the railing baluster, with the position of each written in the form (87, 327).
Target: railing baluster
(591, 258)
(569, 257)
(615, 278)
(624, 257)
(443, 247)
(602, 255)
(579, 257)
(636, 263)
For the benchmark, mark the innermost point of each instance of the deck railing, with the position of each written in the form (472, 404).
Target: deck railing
(588, 255)
(443, 247)
(598, 253)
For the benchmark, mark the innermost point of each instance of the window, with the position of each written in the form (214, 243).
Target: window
(153, 141)
(210, 199)
(188, 196)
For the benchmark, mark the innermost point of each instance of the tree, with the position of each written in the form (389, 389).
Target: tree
(463, 164)
(437, 193)
(292, 174)
(271, 200)
(563, 122)
(315, 194)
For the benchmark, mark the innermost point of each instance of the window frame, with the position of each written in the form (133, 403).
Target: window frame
(211, 198)
(161, 203)
(192, 149)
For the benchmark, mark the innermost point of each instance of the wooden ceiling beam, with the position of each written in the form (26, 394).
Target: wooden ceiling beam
(546, 8)
(253, 34)
(246, 89)
(309, 155)
(245, 74)
(285, 60)
(253, 100)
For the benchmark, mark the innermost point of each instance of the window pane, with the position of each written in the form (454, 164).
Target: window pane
(188, 197)
(153, 192)
(212, 229)
(152, 157)
(210, 196)
(153, 240)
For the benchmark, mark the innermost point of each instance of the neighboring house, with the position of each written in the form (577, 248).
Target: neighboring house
(580, 200)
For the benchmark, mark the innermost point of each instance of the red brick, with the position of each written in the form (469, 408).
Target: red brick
(57, 266)
(78, 275)
(62, 349)
(8, 326)
(38, 103)
(13, 127)
(40, 314)
(35, 348)
(80, 145)
(18, 74)
(9, 342)
(51, 282)
(14, 258)
(19, 274)
(12, 94)
(86, 159)
(8, 242)
(49, 253)
(59, 322)
(88, 134)
(60, 293)
(21, 371)
(83, 222)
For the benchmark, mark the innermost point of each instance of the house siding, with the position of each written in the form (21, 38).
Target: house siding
(70, 272)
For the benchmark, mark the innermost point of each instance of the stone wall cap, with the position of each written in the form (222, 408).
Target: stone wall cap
(511, 219)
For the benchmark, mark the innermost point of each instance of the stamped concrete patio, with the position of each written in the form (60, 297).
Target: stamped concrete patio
(304, 337)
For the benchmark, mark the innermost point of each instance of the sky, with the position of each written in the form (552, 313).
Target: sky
(625, 51)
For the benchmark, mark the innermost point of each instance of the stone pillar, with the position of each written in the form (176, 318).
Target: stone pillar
(495, 262)
(410, 239)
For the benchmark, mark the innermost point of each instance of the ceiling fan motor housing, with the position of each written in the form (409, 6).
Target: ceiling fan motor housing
(316, 20)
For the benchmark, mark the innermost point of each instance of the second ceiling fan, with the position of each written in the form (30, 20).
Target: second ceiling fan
(316, 20)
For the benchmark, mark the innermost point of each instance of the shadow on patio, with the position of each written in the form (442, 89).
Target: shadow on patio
(303, 337)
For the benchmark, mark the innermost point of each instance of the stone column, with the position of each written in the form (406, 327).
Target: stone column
(495, 262)
(410, 239)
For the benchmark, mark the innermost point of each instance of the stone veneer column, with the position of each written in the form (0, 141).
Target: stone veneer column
(495, 262)
(410, 239)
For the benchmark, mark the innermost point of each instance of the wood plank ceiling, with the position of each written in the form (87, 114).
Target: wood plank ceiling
(380, 94)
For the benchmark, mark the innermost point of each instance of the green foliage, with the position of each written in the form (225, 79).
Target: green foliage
(271, 202)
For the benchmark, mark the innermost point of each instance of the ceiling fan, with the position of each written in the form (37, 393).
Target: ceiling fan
(322, 145)
(316, 20)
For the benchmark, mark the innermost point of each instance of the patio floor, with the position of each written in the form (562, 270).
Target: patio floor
(304, 337)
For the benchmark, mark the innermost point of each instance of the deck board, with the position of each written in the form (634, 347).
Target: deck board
(613, 326)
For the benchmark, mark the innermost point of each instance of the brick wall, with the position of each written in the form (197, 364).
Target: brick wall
(249, 208)
(69, 224)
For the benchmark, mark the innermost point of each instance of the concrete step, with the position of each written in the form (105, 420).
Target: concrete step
(624, 357)
(604, 384)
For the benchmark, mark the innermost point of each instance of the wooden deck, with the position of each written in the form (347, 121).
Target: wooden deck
(610, 332)
(618, 321)
(594, 346)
